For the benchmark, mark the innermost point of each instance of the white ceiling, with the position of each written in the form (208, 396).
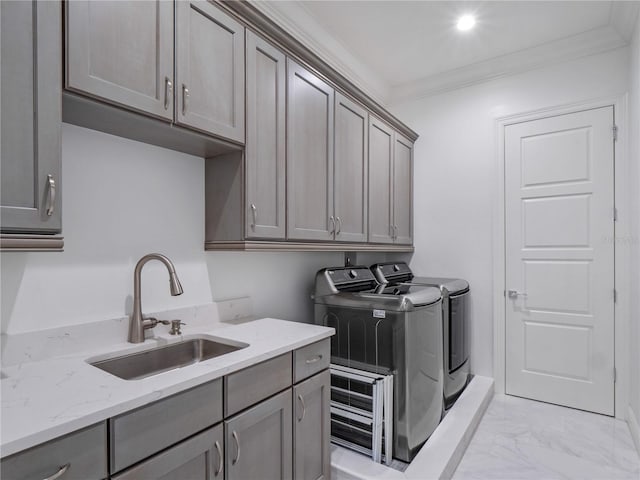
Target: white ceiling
(398, 49)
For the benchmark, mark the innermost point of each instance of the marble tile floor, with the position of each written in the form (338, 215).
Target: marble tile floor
(525, 439)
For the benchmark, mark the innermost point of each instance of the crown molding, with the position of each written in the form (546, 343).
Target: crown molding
(594, 41)
(300, 24)
(623, 18)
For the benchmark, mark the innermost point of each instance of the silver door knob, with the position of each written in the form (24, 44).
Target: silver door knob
(515, 294)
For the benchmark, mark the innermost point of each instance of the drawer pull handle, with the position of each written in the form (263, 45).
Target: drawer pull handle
(52, 195)
(63, 469)
(304, 408)
(235, 438)
(315, 359)
(219, 450)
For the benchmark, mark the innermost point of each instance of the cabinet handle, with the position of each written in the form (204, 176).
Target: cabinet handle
(63, 469)
(235, 438)
(254, 213)
(185, 99)
(219, 450)
(51, 183)
(395, 232)
(168, 92)
(339, 222)
(304, 408)
(333, 224)
(315, 359)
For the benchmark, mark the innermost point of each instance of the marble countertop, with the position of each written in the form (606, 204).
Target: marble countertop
(50, 397)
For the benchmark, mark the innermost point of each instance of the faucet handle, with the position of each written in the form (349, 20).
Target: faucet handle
(151, 322)
(175, 327)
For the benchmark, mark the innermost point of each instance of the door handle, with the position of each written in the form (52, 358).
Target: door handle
(235, 439)
(304, 408)
(51, 183)
(220, 459)
(333, 224)
(339, 223)
(515, 294)
(185, 99)
(254, 213)
(168, 92)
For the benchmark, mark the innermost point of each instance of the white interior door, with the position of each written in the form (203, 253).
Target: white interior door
(559, 204)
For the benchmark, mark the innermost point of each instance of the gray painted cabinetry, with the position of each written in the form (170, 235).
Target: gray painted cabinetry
(31, 115)
(390, 185)
(123, 53)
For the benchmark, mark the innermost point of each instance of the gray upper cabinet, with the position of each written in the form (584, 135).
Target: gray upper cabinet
(209, 70)
(403, 190)
(311, 428)
(122, 52)
(350, 170)
(380, 181)
(31, 116)
(265, 146)
(309, 156)
(258, 441)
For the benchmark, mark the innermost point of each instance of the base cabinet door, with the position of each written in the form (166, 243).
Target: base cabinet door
(31, 116)
(311, 428)
(209, 70)
(198, 458)
(258, 441)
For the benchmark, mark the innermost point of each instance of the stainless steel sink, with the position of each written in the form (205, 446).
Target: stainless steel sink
(138, 365)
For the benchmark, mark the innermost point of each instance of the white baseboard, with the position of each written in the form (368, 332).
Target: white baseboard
(632, 420)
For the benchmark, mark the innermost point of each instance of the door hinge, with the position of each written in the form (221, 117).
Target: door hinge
(615, 214)
(615, 296)
(614, 130)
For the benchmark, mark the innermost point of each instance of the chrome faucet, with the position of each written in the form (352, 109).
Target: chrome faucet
(138, 324)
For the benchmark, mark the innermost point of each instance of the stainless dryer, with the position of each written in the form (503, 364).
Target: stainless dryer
(455, 309)
(392, 331)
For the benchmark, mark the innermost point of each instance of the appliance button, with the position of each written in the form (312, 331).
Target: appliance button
(396, 268)
(353, 273)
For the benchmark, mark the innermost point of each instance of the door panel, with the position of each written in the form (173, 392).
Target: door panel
(351, 170)
(122, 51)
(210, 70)
(380, 181)
(309, 156)
(265, 150)
(402, 190)
(559, 216)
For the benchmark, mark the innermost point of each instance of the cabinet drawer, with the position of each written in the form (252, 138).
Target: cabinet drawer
(139, 434)
(249, 386)
(311, 359)
(200, 457)
(84, 451)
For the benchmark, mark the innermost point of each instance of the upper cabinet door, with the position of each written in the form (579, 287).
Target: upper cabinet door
(309, 156)
(265, 147)
(403, 190)
(209, 70)
(31, 116)
(122, 52)
(380, 182)
(351, 170)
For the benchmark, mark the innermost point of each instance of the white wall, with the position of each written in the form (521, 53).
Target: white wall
(634, 184)
(121, 200)
(456, 170)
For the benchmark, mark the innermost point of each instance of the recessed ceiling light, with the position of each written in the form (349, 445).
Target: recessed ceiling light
(466, 22)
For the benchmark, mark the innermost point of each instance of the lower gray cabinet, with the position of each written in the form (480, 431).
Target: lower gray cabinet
(258, 441)
(81, 455)
(311, 428)
(198, 458)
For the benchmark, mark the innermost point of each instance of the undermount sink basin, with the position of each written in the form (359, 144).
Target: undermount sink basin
(139, 365)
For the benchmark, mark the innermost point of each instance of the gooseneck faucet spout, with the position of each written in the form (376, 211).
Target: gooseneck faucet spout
(138, 324)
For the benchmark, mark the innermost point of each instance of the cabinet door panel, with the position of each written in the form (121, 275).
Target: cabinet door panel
(122, 51)
(380, 181)
(265, 147)
(258, 441)
(309, 155)
(351, 170)
(403, 190)
(31, 115)
(210, 70)
(198, 458)
(312, 424)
